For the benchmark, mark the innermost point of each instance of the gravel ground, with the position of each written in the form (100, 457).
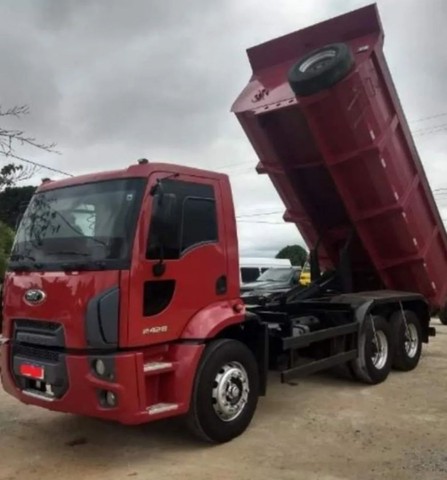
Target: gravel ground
(321, 428)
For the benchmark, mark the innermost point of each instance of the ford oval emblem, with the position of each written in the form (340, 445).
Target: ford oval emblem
(34, 296)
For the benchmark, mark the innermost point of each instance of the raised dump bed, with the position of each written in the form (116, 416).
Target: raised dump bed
(329, 130)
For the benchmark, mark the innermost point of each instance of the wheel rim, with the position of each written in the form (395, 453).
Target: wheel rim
(380, 349)
(230, 392)
(411, 340)
(318, 61)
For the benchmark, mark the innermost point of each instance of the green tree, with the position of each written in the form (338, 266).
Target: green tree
(6, 239)
(295, 253)
(12, 202)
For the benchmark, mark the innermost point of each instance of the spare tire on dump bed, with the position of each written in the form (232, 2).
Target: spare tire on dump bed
(321, 69)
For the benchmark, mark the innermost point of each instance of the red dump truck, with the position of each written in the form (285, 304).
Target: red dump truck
(122, 299)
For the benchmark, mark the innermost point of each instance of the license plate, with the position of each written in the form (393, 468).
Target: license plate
(32, 371)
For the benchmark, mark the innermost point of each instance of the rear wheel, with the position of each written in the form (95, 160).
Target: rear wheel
(442, 315)
(225, 393)
(407, 336)
(373, 363)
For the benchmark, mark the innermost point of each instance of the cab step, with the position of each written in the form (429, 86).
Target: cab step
(158, 367)
(161, 408)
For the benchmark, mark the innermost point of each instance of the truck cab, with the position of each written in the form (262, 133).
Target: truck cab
(101, 295)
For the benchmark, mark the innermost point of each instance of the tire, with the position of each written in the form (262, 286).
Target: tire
(221, 362)
(365, 368)
(442, 315)
(321, 69)
(407, 351)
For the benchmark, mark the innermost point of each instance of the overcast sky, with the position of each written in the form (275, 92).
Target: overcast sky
(112, 81)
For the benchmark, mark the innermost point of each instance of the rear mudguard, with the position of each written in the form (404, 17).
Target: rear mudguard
(383, 301)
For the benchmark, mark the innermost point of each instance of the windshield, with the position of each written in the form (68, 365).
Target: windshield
(92, 224)
(276, 275)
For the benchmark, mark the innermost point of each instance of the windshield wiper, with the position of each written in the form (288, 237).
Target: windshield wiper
(69, 252)
(20, 256)
(19, 265)
(79, 266)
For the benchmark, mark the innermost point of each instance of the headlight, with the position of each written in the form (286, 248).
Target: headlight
(100, 367)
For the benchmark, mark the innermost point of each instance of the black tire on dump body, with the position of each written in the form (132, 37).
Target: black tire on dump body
(407, 338)
(226, 366)
(321, 69)
(373, 364)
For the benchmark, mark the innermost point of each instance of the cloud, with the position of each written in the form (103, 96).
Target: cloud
(113, 81)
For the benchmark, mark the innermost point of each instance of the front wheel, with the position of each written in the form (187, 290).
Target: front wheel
(373, 363)
(225, 393)
(407, 337)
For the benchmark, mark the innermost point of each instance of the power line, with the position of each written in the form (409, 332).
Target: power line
(262, 221)
(433, 128)
(419, 132)
(431, 117)
(259, 214)
(41, 165)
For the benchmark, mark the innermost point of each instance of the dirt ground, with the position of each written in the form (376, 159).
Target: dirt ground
(321, 428)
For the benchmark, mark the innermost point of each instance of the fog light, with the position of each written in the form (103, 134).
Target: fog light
(111, 399)
(100, 367)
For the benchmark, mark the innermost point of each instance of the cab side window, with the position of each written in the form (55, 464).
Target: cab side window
(193, 220)
(199, 223)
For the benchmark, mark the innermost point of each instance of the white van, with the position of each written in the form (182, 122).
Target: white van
(251, 268)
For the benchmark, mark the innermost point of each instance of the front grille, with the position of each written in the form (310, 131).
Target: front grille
(36, 353)
(39, 332)
(37, 324)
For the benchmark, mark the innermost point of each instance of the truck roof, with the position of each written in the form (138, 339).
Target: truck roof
(343, 160)
(133, 171)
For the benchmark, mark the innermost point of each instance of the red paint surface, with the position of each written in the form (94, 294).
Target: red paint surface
(211, 320)
(67, 297)
(344, 158)
(195, 273)
(135, 390)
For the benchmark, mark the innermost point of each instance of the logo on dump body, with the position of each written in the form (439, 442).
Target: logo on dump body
(34, 296)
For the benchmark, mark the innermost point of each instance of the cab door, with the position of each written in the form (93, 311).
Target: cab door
(179, 264)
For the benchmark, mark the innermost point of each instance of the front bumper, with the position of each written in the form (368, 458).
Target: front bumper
(148, 384)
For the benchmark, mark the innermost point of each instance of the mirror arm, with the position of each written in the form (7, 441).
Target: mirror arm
(159, 268)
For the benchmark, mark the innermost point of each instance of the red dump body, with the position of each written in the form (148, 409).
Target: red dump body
(344, 160)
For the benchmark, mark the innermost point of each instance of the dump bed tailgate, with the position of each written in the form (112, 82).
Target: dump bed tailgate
(343, 160)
